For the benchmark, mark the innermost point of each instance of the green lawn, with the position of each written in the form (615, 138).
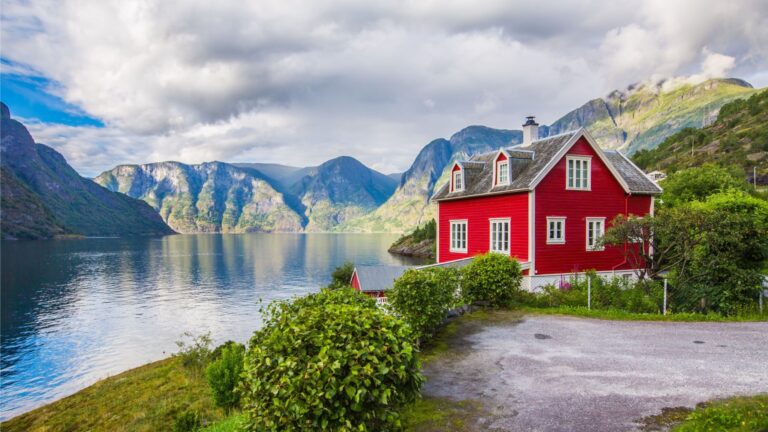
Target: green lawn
(613, 314)
(148, 398)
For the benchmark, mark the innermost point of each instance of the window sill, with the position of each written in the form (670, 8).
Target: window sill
(595, 250)
(578, 189)
(556, 242)
(457, 251)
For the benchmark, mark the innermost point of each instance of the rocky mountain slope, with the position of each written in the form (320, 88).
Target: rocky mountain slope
(209, 197)
(643, 115)
(738, 137)
(409, 205)
(221, 197)
(42, 196)
(640, 117)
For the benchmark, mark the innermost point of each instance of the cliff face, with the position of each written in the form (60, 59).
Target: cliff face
(43, 196)
(210, 197)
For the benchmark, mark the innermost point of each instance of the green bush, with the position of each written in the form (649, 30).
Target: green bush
(614, 293)
(188, 421)
(223, 375)
(422, 298)
(196, 353)
(342, 275)
(329, 361)
(492, 278)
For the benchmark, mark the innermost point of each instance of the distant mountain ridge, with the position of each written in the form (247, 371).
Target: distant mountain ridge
(222, 197)
(42, 196)
(639, 117)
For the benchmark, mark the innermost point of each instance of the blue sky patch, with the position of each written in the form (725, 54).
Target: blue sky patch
(29, 97)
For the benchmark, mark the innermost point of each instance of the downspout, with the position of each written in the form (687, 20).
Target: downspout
(626, 215)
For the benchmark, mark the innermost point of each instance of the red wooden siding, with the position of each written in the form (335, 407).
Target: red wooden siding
(355, 281)
(477, 212)
(605, 199)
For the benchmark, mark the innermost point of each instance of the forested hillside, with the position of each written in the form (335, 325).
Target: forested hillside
(738, 137)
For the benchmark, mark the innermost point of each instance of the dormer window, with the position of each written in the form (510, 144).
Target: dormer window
(502, 173)
(458, 181)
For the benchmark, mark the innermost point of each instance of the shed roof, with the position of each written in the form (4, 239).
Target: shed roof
(379, 277)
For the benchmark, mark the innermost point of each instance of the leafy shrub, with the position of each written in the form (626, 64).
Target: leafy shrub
(329, 361)
(422, 298)
(188, 421)
(492, 278)
(342, 275)
(223, 375)
(614, 293)
(196, 353)
(216, 353)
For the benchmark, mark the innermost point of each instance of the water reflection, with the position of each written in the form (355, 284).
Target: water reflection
(76, 311)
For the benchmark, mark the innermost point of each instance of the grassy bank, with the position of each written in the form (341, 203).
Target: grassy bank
(614, 314)
(148, 398)
(737, 414)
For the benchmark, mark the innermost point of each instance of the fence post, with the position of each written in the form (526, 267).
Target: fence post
(589, 292)
(665, 296)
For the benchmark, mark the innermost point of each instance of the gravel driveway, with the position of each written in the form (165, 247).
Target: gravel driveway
(551, 373)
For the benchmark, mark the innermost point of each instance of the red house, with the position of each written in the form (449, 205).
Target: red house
(545, 202)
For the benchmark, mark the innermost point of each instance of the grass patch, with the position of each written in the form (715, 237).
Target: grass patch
(232, 423)
(431, 414)
(736, 414)
(614, 314)
(148, 398)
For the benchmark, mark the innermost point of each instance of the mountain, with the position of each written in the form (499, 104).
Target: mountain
(409, 205)
(738, 137)
(221, 197)
(639, 117)
(643, 115)
(209, 197)
(340, 190)
(42, 196)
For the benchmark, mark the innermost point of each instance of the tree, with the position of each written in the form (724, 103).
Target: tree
(223, 375)
(342, 275)
(696, 184)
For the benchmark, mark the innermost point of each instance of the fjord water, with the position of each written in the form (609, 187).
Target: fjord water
(76, 311)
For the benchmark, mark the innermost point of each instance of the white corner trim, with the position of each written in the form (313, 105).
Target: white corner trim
(532, 231)
(437, 234)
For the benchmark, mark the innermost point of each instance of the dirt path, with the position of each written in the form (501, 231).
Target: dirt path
(549, 373)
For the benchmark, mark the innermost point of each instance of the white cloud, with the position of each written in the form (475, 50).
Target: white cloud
(299, 82)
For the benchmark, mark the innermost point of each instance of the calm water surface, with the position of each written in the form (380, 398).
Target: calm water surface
(76, 311)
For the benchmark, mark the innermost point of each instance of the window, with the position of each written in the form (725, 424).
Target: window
(555, 230)
(595, 230)
(458, 181)
(458, 236)
(502, 173)
(578, 173)
(500, 235)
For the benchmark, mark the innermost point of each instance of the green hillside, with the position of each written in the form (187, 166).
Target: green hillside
(739, 137)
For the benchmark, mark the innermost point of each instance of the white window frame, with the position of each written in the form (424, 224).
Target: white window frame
(460, 174)
(578, 163)
(561, 221)
(456, 244)
(597, 236)
(499, 180)
(492, 244)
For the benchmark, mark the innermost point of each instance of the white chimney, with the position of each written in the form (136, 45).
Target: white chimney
(530, 131)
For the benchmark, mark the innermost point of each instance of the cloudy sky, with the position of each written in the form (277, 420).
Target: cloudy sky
(299, 82)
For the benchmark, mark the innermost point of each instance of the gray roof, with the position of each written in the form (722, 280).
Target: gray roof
(635, 178)
(527, 163)
(378, 278)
